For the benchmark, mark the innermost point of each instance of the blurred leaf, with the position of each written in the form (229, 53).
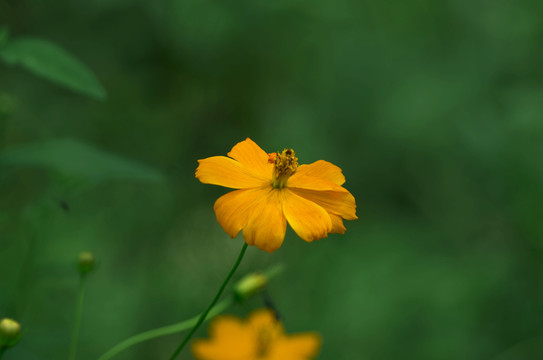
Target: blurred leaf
(531, 348)
(72, 157)
(8, 103)
(53, 63)
(4, 33)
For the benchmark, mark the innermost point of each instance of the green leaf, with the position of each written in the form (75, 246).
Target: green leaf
(74, 158)
(53, 63)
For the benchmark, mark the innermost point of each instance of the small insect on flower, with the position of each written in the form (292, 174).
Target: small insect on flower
(260, 337)
(274, 189)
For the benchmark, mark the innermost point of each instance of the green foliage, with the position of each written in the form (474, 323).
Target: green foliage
(432, 109)
(49, 61)
(74, 158)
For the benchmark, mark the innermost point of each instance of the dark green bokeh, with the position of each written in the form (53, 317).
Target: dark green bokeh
(432, 109)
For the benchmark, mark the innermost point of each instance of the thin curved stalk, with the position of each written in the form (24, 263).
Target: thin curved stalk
(165, 330)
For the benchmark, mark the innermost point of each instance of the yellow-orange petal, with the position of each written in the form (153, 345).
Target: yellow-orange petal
(249, 154)
(267, 225)
(337, 224)
(264, 318)
(339, 203)
(230, 339)
(301, 181)
(303, 346)
(227, 326)
(234, 209)
(309, 220)
(237, 349)
(324, 170)
(223, 171)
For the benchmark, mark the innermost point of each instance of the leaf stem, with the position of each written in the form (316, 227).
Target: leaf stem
(165, 330)
(217, 296)
(78, 311)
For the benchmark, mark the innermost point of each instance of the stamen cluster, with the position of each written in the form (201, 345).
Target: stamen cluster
(285, 164)
(264, 342)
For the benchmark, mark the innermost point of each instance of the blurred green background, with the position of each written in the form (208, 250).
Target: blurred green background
(432, 109)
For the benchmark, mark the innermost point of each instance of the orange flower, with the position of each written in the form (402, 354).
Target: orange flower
(260, 337)
(274, 190)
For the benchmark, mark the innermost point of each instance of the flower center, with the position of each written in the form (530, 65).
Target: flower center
(285, 164)
(265, 338)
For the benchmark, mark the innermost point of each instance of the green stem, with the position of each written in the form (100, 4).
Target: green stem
(217, 296)
(163, 331)
(77, 321)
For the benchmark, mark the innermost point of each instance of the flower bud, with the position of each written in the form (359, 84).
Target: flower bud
(85, 262)
(10, 332)
(250, 285)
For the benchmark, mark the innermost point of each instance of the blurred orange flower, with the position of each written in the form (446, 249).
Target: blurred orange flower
(260, 337)
(274, 190)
